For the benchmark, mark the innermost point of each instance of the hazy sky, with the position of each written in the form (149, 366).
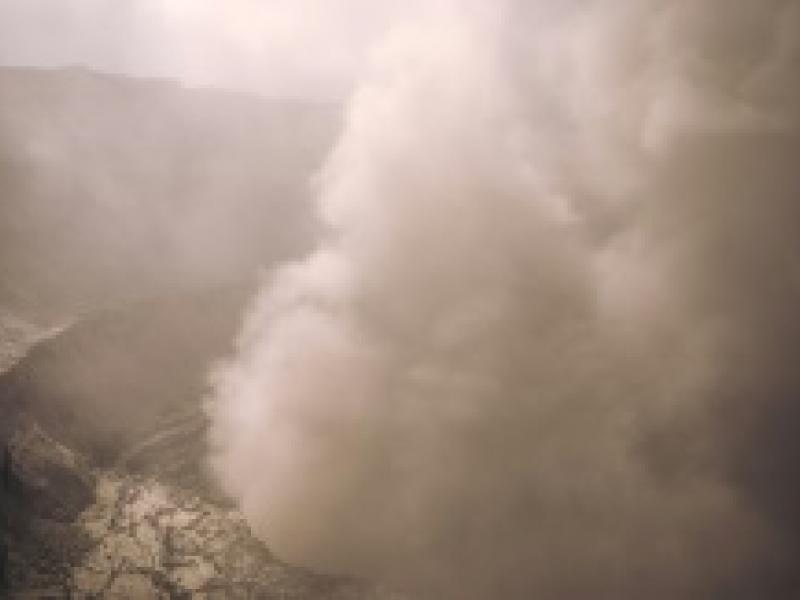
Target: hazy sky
(276, 47)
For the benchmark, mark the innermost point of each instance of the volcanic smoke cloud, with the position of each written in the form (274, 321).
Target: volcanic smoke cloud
(547, 345)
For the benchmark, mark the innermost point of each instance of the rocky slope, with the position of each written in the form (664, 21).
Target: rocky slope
(16, 336)
(115, 188)
(94, 510)
(71, 530)
(131, 213)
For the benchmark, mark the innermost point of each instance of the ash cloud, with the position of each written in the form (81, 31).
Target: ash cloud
(545, 346)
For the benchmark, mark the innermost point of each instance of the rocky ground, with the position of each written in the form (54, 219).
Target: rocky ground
(71, 528)
(16, 336)
(136, 537)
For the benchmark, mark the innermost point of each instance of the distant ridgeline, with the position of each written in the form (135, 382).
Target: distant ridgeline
(114, 188)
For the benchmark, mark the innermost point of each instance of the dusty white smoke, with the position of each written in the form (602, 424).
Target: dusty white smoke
(543, 349)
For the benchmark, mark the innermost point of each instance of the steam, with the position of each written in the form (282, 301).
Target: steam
(546, 345)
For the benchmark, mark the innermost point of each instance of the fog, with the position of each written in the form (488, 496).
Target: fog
(526, 322)
(544, 347)
(115, 189)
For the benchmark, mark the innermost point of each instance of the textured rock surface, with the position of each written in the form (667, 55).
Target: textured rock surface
(145, 526)
(139, 538)
(16, 336)
(148, 540)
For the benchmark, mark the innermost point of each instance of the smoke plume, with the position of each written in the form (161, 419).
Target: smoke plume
(546, 345)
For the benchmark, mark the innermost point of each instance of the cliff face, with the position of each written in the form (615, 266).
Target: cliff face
(118, 384)
(108, 494)
(114, 188)
(72, 530)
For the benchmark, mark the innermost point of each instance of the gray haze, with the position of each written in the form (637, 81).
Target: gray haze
(114, 190)
(547, 345)
(297, 48)
(542, 339)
